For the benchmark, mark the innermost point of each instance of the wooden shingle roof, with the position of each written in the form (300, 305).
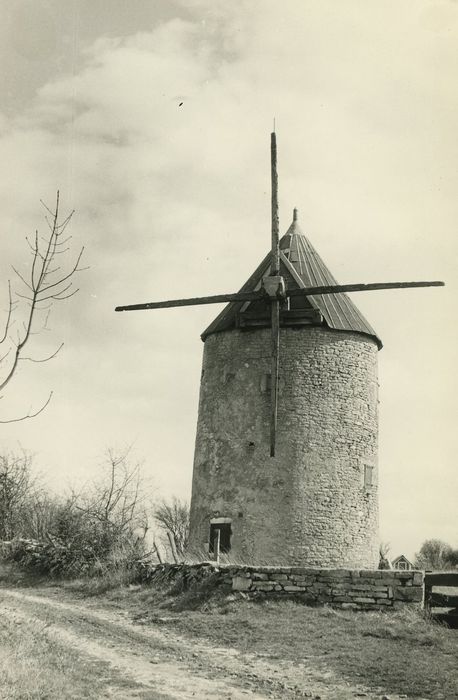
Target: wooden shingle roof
(301, 266)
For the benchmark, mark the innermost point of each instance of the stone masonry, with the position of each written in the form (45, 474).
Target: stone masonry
(339, 588)
(315, 503)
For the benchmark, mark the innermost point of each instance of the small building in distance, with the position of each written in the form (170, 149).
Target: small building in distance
(402, 563)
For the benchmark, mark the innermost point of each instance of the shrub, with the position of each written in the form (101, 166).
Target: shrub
(53, 558)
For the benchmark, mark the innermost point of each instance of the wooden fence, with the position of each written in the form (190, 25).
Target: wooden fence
(447, 602)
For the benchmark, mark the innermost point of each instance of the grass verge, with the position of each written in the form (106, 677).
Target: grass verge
(34, 666)
(402, 652)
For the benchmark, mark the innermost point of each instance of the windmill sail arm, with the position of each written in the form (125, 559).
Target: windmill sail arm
(261, 294)
(337, 288)
(275, 359)
(194, 301)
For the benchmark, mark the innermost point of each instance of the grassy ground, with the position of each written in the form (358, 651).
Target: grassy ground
(34, 667)
(402, 653)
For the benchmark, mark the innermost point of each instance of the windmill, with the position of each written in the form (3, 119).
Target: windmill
(275, 293)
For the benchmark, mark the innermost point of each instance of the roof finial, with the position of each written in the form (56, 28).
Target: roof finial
(295, 214)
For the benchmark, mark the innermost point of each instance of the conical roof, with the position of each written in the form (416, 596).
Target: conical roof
(301, 266)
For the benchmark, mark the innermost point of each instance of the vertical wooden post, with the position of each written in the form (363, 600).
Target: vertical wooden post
(275, 308)
(428, 589)
(216, 544)
(275, 260)
(275, 362)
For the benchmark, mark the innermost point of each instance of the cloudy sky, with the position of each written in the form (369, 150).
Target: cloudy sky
(153, 119)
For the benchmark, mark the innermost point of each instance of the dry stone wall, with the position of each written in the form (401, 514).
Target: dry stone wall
(339, 588)
(316, 502)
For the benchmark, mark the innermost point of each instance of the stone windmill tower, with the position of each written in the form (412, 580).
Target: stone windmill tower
(285, 467)
(315, 502)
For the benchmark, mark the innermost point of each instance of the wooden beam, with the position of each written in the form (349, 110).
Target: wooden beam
(442, 600)
(275, 260)
(275, 350)
(256, 295)
(337, 288)
(275, 308)
(442, 578)
(217, 545)
(194, 301)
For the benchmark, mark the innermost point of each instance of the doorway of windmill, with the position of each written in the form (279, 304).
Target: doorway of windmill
(225, 531)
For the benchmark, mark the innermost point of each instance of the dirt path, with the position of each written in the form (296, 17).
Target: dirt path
(167, 665)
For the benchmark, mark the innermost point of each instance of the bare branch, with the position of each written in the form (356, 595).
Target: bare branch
(45, 359)
(60, 252)
(43, 308)
(55, 269)
(12, 368)
(47, 281)
(173, 517)
(21, 278)
(50, 226)
(65, 241)
(56, 292)
(29, 415)
(10, 311)
(5, 355)
(61, 227)
(63, 279)
(35, 258)
(47, 208)
(57, 296)
(44, 327)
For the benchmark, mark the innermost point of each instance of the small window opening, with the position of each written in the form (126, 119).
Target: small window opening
(368, 476)
(266, 382)
(225, 537)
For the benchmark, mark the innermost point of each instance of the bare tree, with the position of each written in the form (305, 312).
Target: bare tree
(38, 514)
(173, 517)
(384, 562)
(49, 280)
(26, 507)
(116, 503)
(16, 485)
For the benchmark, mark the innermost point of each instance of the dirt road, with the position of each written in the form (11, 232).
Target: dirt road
(151, 662)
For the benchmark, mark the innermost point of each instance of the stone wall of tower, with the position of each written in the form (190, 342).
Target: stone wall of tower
(315, 503)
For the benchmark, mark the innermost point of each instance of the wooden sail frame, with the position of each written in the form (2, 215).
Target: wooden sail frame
(273, 290)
